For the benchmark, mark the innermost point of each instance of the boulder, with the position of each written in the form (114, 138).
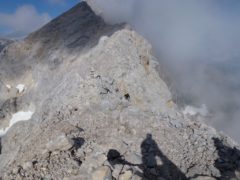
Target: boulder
(102, 173)
(127, 175)
(60, 143)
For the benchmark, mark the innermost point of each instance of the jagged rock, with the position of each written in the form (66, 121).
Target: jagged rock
(102, 173)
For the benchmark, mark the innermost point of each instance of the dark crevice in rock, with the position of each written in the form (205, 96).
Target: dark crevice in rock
(105, 91)
(127, 96)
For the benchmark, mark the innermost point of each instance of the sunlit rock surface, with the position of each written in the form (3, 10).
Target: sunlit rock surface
(99, 103)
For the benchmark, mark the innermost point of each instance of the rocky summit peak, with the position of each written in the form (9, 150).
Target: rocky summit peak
(76, 27)
(66, 23)
(81, 99)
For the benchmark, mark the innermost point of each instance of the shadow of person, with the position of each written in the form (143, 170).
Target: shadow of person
(163, 167)
(228, 162)
(150, 166)
(114, 157)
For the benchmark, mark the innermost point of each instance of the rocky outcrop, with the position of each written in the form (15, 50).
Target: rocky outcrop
(101, 110)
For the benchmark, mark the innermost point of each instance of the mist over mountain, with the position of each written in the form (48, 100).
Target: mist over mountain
(4, 42)
(90, 98)
(197, 44)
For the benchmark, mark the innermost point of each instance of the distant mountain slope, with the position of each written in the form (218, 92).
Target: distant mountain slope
(79, 27)
(4, 42)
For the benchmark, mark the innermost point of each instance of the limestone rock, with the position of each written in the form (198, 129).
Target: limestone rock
(60, 143)
(137, 177)
(102, 173)
(27, 165)
(127, 175)
(117, 170)
(134, 158)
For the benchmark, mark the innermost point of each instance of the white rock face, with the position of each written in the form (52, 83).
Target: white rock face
(17, 117)
(21, 88)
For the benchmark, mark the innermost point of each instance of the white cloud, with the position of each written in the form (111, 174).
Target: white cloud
(24, 20)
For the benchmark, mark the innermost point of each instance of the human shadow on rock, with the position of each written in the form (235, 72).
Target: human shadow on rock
(150, 169)
(228, 162)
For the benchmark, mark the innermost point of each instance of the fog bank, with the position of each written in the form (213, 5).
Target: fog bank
(197, 44)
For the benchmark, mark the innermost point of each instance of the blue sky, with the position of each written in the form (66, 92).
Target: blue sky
(20, 17)
(53, 7)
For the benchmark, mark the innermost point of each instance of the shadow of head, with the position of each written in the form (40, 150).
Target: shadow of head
(228, 161)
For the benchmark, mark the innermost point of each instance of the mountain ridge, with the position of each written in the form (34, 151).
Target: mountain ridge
(99, 108)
